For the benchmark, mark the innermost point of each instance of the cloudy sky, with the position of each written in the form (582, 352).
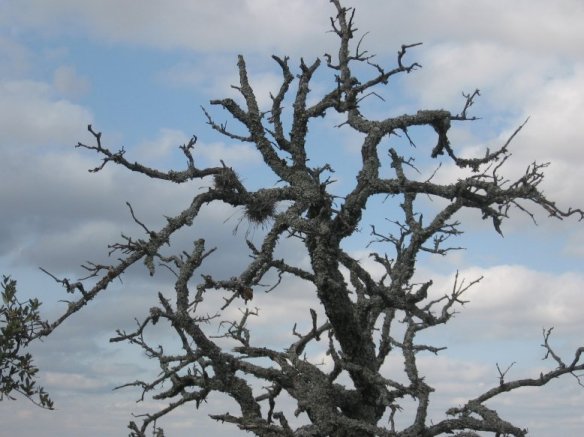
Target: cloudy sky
(140, 71)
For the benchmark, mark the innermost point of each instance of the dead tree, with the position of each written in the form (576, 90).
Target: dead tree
(362, 312)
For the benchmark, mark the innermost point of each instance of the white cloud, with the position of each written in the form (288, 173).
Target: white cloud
(67, 81)
(514, 301)
(272, 25)
(72, 243)
(196, 74)
(30, 115)
(208, 26)
(16, 58)
(458, 380)
(163, 151)
(265, 84)
(533, 26)
(72, 381)
(58, 203)
(162, 148)
(552, 134)
(506, 76)
(225, 75)
(233, 154)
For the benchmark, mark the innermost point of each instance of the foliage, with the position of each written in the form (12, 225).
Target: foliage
(19, 323)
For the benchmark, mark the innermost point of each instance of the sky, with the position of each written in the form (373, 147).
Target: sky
(140, 71)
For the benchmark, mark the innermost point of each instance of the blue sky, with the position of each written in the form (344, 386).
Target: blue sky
(140, 71)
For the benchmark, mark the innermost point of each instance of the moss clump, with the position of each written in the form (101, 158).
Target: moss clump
(227, 180)
(259, 210)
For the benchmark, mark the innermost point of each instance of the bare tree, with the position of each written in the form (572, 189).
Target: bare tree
(367, 319)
